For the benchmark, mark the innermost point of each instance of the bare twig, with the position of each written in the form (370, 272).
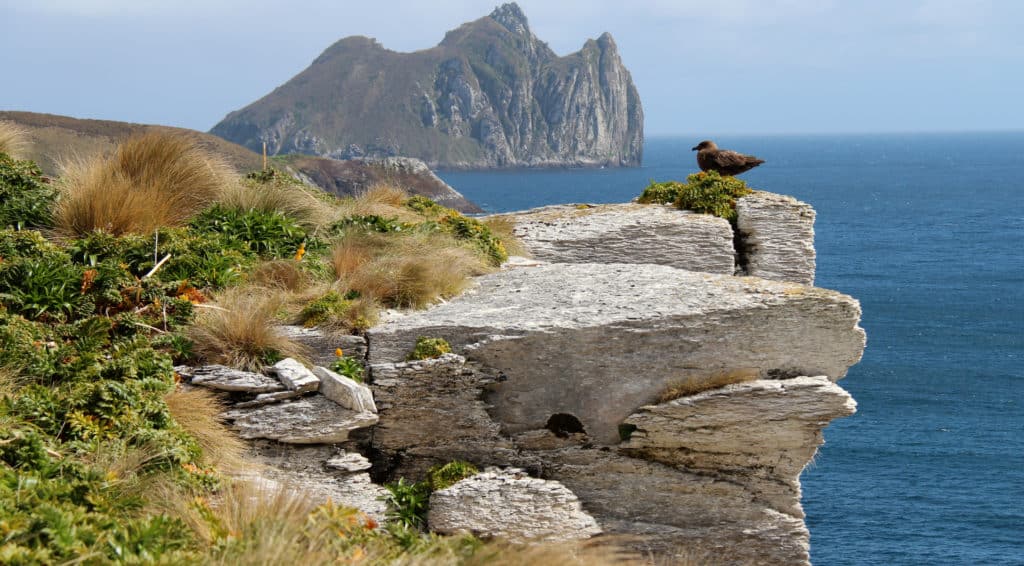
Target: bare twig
(157, 266)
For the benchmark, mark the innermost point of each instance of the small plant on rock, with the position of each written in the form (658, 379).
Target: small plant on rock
(347, 366)
(429, 348)
(704, 192)
(443, 477)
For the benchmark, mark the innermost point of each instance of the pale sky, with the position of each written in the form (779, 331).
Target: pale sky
(703, 67)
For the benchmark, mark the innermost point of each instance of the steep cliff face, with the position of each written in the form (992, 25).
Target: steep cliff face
(491, 94)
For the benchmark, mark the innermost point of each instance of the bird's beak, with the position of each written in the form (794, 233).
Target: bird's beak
(694, 148)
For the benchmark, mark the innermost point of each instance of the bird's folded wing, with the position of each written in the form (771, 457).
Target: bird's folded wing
(726, 158)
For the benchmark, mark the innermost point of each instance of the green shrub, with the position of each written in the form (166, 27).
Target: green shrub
(331, 305)
(26, 196)
(443, 477)
(270, 234)
(705, 192)
(428, 348)
(466, 229)
(660, 193)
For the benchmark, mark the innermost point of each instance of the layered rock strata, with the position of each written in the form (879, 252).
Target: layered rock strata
(776, 237)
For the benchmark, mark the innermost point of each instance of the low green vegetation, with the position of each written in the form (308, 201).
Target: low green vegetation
(704, 192)
(348, 366)
(151, 257)
(427, 348)
(408, 503)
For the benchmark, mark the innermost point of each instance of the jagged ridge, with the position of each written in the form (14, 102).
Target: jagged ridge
(489, 95)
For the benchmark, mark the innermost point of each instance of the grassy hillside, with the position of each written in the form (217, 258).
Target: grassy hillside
(53, 140)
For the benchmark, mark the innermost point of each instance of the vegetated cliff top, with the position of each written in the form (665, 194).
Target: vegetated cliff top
(491, 94)
(54, 138)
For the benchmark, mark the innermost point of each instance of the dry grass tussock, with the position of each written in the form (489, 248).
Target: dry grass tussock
(283, 274)
(503, 227)
(385, 201)
(697, 384)
(152, 180)
(198, 411)
(240, 331)
(410, 270)
(13, 140)
(290, 199)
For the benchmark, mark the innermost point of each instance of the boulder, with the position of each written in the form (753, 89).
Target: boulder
(511, 505)
(295, 376)
(598, 341)
(777, 237)
(345, 391)
(308, 420)
(224, 378)
(628, 233)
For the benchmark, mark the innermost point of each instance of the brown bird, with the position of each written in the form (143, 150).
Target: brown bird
(726, 162)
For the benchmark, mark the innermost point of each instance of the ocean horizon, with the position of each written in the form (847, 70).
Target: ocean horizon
(924, 229)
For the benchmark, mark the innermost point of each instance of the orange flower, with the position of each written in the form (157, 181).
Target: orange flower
(87, 279)
(301, 251)
(338, 352)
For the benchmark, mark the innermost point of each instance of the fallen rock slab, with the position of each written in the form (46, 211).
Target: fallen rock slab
(345, 391)
(628, 233)
(308, 420)
(511, 505)
(295, 376)
(224, 378)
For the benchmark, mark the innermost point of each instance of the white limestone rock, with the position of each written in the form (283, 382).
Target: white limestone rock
(224, 378)
(564, 337)
(345, 391)
(295, 376)
(777, 232)
(511, 505)
(308, 420)
(348, 462)
(628, 233)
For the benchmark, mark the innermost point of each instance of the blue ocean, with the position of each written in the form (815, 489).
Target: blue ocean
(927, 231)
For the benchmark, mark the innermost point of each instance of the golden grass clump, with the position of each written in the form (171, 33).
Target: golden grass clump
(503, 227)
(198, 412)
(152, 180)
(240, 331)
(408, 270)
(284, 274)
(381, 200)
(13, 139)
(289, 198)
(693, 385)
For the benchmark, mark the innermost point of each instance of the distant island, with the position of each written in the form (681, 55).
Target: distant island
(490, 95)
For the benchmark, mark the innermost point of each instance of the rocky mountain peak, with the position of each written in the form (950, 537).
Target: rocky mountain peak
(491, 94)
(512, 18)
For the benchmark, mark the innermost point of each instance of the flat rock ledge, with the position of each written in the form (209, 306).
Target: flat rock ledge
(598, 341)
(628, 233)
(511, 505)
